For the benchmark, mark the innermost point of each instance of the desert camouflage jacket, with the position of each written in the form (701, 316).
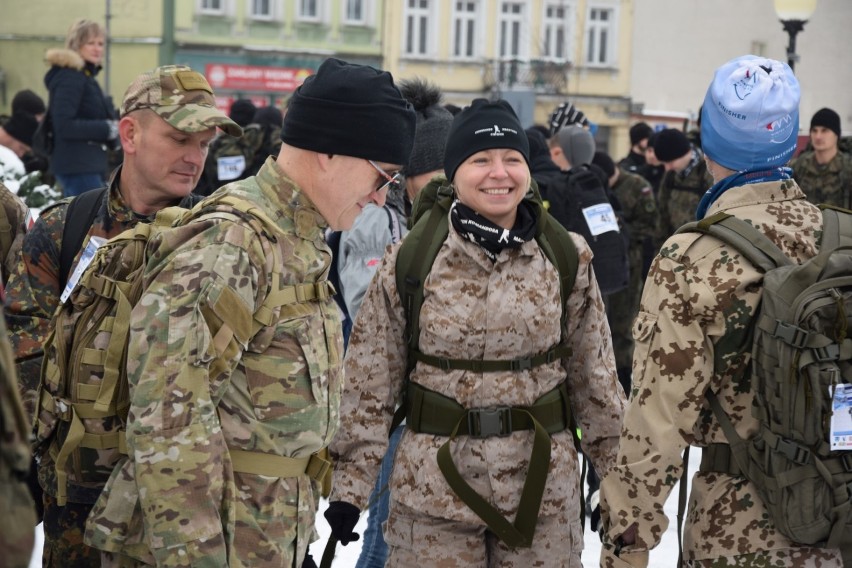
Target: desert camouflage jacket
(198, 392)
(474, 308)
(33, 288)
(829, 183)
(697, 290)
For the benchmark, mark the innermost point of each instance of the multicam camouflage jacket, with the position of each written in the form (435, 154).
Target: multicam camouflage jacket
(13, 225)
(697, 291)
(203, 387)
(680, 193)
(18, 517)
(477, 309)
(827, 183)
(33, 288)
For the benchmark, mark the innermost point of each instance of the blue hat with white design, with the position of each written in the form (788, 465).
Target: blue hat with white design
(482, 126)
(750, 117)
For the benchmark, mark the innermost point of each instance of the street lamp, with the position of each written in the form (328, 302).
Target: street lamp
(793, 15)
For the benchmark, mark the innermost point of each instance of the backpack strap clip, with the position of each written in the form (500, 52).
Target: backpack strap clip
(488, 422)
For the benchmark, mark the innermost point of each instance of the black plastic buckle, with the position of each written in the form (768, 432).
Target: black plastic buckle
(521, 364)
(830, 352)
(488, 422)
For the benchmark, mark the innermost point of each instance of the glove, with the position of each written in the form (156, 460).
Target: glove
(595, 511)
(309, 561)
(342, 518)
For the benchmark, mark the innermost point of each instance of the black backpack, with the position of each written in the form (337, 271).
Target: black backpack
(581, 203)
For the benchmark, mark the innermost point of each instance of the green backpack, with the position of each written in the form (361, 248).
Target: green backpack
(801, 373)
(83, 397)
(431, 412)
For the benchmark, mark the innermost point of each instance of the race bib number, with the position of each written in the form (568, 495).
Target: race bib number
(841, 418)
(230, 167)
(600, 219)
(85, 260)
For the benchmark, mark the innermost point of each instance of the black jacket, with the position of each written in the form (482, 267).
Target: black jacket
(79, 112)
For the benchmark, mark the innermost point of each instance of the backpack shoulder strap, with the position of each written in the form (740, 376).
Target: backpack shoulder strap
(836, 227)
(79, 217)
(559, 248)
(743, 237)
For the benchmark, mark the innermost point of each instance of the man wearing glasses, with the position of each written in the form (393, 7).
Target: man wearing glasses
(229, 401)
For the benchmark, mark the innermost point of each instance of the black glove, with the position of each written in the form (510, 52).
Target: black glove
(309, 561)
(595, 514)
(342, 518)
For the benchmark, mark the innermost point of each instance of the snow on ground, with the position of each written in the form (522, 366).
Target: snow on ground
(663, 556)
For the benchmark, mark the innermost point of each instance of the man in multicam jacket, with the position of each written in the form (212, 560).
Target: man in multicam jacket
(825, 173)
(225, 414)
(685, 181)
(696, 292)
(164, 151)
(18, 518)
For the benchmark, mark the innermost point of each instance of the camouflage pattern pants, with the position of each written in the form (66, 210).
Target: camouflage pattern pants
(415, 539)
(804, 557)
(63, 536)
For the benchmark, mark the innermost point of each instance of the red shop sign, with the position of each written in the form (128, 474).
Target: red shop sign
(255, 77)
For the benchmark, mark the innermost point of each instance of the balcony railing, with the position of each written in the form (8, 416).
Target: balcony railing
(542, 76)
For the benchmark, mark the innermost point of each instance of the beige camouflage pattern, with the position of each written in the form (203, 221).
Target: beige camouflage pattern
(828, 183)
(476, 309)
(18, 515)
(196, 392)
(679, 195)
(415, 539)
(181, 96)
(696, 292)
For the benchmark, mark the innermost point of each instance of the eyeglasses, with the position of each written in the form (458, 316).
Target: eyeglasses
(392, 180)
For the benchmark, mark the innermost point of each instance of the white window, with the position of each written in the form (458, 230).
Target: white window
(512, 29)
(417, 27)
(355, 12)
(600, 36)
(308, 11)
(261, 9)
(212, 7)
(466, 16)
(556, 30)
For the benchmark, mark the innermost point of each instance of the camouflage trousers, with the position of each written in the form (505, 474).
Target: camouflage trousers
(64, 528)
(803, 557)
(415, 539)
(17, 521)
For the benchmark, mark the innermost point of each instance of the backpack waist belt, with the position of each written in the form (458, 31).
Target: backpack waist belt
(258, 463)
(718, 458)
(492, 366)
(429, 412)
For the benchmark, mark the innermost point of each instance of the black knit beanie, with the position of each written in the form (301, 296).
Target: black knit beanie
(670, 144)
(604, 162)
(827, 118)
(639, 132)
(433, 126)
(482, 126)
(242, 111)
(21, 126)
(27, 101)
(351, 110)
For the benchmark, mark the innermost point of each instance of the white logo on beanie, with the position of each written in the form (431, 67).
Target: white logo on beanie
(496, 131)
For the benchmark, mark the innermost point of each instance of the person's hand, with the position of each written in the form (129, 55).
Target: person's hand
(308, 562)
(595, 514)
(342, 518)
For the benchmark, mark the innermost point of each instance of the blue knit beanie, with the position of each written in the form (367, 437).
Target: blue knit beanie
(750, 116)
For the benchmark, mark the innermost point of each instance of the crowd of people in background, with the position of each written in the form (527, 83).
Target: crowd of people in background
(287, 323)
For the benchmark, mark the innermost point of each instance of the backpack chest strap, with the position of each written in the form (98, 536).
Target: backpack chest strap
(490, 366)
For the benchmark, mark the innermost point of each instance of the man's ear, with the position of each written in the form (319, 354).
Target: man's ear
(129, 130)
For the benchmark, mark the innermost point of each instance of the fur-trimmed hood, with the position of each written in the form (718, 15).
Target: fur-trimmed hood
(64, 58)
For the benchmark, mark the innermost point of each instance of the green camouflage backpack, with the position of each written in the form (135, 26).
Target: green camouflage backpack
(83, 397)
(232, 158)
(430, 412)
(801, 377)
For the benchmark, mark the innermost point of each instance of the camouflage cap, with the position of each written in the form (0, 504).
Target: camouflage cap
(181, 96)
